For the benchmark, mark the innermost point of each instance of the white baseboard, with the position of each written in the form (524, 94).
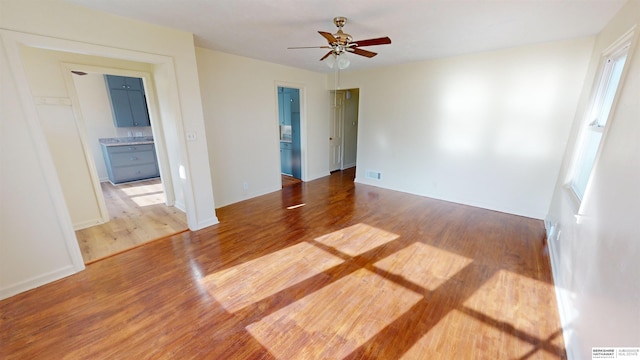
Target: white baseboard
(180, 206)
(463, 201)
(207, 222)
(37, 281)
(319, 175)
(87, 224)
(566, 310)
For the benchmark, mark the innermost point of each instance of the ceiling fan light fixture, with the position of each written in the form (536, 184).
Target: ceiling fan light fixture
(343, 61)
(331, 61)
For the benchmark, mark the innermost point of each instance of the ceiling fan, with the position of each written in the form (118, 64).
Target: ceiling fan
(341, 43)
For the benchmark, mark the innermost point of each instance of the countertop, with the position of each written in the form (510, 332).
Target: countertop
(122, 141)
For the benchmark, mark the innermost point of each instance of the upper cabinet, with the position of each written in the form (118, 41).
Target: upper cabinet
(128, 101)
(295, 100)
(288, 104)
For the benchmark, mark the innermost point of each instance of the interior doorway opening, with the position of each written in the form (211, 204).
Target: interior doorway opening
(74, 126)
(42, 94)
(289, 135)
(137, 206)
(343, 129)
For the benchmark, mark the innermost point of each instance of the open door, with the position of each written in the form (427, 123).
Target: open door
(343, 129)
(336, 130)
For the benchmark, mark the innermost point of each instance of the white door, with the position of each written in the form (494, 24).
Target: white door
(335, 130)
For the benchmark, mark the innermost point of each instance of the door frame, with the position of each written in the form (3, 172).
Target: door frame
(156, 128)
(333, 127)
(346, 144)
(344, 95)
(303, 124)
(12, 41)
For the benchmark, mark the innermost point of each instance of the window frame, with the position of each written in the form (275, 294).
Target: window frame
(592, 121)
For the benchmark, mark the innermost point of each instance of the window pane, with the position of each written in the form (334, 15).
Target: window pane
(610, 92)
(590, 149)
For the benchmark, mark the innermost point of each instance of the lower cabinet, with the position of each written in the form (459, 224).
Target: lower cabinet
(130, 162)
(285, 158)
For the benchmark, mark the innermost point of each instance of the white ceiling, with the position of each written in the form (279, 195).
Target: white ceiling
(419, 30)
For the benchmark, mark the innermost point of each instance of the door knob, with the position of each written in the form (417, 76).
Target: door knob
(330, 138)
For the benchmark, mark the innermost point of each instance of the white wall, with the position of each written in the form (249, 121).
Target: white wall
(96, 115)
(486, 129)
(34, 227)
(239, 96)
(55, 24)
(595, 254)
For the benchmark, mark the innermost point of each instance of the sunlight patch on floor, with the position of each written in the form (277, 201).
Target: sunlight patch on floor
(252, 281)
(142, 189)
(148, 200)
(364, 302)
(144, 194)
(458, 335)
(515, 300)
(357, 239)
(424, 265)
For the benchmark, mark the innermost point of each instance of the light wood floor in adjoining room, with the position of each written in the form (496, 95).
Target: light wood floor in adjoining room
(326, 269)
(137, 213)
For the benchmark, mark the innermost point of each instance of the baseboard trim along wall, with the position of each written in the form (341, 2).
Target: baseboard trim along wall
(37, 281)
(566, 310)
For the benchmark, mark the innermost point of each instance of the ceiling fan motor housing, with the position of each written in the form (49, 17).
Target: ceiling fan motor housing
(343, 38)
(340, 21)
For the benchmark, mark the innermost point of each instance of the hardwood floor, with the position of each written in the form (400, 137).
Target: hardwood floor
(137, 213)
(289, 181)
(326, 269)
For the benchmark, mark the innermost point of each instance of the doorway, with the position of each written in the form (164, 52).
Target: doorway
(135, 212)
(343, 129)
(53, 105)
(289, 135)
(72, 128)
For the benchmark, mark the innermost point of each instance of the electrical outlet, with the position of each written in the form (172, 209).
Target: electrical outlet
(245, 186)
(191, 136)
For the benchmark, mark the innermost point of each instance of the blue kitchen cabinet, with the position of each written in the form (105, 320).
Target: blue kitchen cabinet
(286, 154)
(128, 101)
(130, 162)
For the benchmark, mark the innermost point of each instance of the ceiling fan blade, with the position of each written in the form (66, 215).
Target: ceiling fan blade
(328, 36)
(326, 55)
(362, 52)
(371, 42)
(310, 47)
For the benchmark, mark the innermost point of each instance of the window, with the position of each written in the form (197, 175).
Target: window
(597, 117)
